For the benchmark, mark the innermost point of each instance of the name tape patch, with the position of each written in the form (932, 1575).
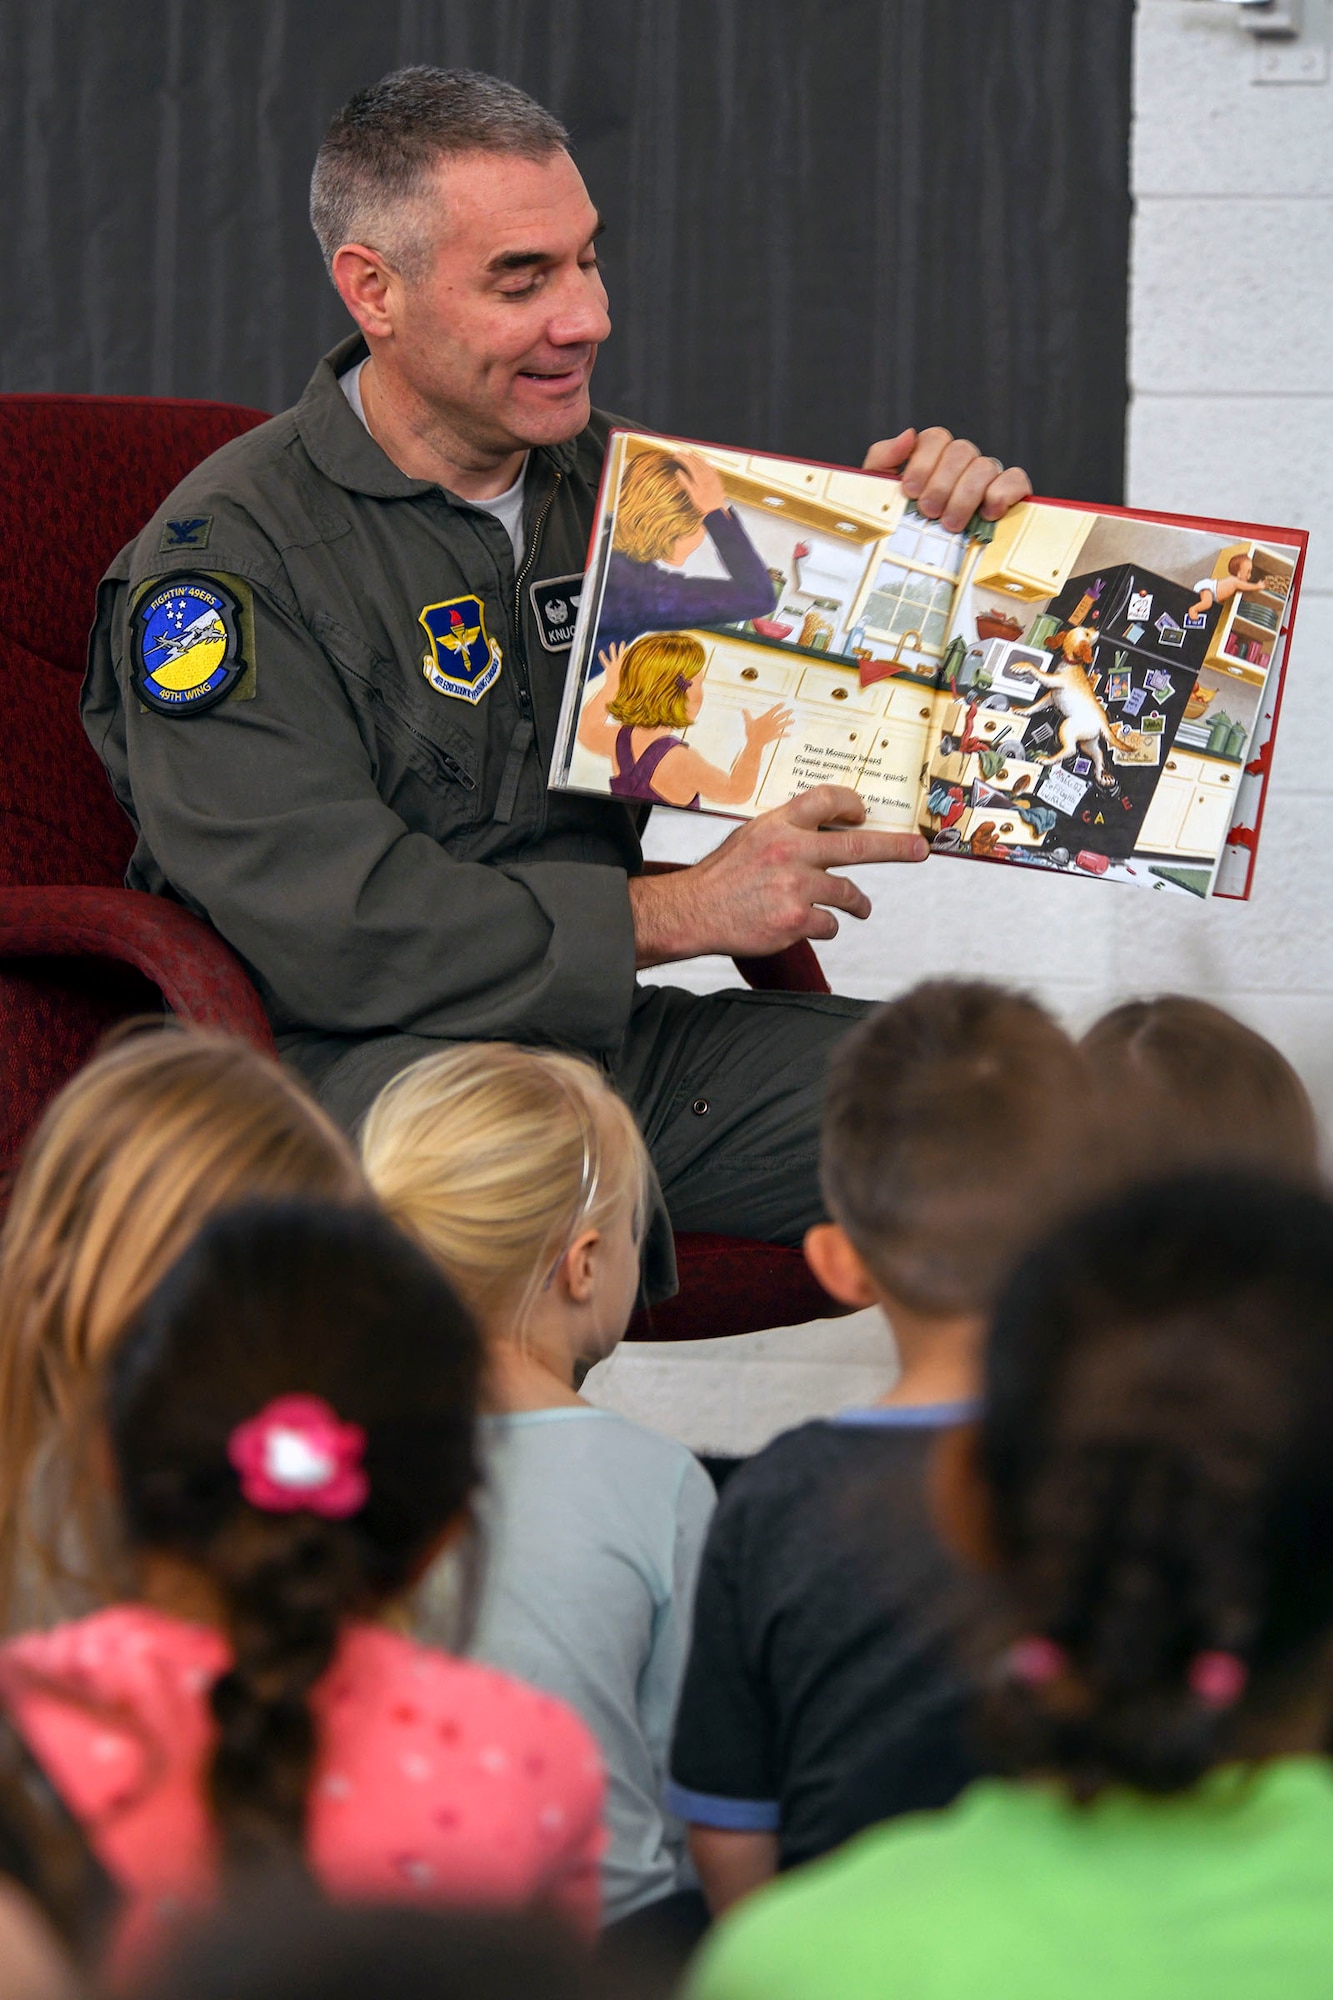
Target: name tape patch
(555, 606)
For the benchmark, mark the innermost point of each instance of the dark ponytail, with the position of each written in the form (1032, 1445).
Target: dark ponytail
(1158, 1448)
(274, 1300)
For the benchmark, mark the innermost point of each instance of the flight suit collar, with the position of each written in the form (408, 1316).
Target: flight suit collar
(343, 449)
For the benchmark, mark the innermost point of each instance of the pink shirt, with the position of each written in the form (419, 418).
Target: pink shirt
(438, 1780)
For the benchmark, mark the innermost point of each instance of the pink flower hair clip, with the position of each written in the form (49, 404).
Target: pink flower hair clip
(298, 1454)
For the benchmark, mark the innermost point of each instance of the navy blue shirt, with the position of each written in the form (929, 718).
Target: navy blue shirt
(821, 1693)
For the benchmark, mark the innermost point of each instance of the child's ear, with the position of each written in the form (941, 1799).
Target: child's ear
(832, 1256)
(578, 1267)
(960, 1501)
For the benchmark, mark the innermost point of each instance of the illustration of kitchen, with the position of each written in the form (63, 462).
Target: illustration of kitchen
(864, 589)
(877, 607)
(1180, 629)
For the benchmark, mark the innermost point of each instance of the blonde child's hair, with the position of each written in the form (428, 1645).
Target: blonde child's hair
(653, 510)
(654, 681)
(496, 1158)
(144, 1144)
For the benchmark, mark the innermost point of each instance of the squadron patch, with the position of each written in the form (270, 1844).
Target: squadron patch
(555, 605)
(186, 645)
(463, 661)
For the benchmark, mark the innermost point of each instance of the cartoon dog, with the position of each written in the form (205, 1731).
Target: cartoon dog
(1084, 724)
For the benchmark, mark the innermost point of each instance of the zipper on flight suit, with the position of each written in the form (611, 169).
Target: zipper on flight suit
(526, 729)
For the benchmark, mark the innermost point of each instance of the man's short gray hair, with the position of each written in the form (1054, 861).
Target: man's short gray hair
(382, 148)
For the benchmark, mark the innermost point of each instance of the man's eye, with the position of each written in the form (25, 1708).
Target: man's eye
(523, 291)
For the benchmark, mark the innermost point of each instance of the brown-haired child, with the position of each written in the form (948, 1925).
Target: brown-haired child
(820, 1695)
(1188, 1085)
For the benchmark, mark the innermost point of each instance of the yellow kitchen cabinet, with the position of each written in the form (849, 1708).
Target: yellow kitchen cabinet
(1169, 804)
(1237, 617)
(789, 476)
(878, 500)
(1208, 814)
(1033, 551)
(890, 778)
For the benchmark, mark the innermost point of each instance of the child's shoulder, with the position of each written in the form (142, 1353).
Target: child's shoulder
(400, 1680)
(593, 1434)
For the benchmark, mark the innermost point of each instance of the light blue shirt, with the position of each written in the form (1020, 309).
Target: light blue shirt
(593, 1528)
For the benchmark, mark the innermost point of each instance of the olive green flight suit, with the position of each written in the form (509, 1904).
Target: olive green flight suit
(385, 857)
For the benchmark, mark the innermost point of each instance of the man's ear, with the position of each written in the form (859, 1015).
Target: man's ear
(960, 1501)
(368, 287)
(832, 1256)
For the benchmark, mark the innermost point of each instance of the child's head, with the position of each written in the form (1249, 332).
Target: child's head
(144, 1144)
(653, 511)
(291, 1417)
(655, 681)
(1241, 566)
(1187, 1085)
(1155, 1469)
(956, 1124)
(503, 1162)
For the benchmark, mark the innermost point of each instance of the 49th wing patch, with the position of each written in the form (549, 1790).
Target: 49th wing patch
(187, 648)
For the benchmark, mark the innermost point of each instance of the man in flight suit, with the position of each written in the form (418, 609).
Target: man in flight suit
(325, 684)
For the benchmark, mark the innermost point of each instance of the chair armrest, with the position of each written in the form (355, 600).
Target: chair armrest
(197, 974)
(795, 970)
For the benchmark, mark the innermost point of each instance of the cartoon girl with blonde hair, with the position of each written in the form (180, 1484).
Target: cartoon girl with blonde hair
(649, 692)
(668, 505)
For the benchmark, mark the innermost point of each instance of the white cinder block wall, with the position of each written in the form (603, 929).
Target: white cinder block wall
(1231, 366)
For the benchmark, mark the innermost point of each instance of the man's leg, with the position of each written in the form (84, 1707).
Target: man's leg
(728, 1090)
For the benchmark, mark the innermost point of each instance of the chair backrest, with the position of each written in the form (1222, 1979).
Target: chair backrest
(81, 476)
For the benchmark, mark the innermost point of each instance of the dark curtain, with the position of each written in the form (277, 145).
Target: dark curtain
(826, 218)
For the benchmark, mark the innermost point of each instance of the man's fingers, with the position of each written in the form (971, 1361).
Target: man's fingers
(1005, 491)
(823, 805)
(930, 446)
(950, 467)
(839, 892)
(849, 850)
(889, 453)
(969, 491)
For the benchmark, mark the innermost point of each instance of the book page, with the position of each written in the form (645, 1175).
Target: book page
(1073, 690)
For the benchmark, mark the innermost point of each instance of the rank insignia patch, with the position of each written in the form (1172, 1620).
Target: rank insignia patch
(186, 645)
(191, 534)
(556, 605)
(462, 660)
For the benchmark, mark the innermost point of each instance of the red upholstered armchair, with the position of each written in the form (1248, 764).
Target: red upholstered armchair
(78, 951)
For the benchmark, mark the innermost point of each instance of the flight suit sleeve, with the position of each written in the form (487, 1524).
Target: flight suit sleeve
(263, 815)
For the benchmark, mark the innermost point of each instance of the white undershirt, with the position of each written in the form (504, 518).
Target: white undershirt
(507, 507)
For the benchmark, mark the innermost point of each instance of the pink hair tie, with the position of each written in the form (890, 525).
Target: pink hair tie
(1218, 1679)
(298, 1454)
(1036, 1661)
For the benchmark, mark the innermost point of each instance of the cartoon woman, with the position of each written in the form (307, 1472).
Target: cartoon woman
(649, 692)
(669, 504)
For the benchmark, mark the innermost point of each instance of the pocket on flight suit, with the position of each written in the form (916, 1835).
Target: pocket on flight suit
(432, 784)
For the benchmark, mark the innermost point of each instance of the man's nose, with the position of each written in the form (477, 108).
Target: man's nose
(580, 317)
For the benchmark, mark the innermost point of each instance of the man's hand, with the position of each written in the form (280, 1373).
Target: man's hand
(767, 884)
(948, 477)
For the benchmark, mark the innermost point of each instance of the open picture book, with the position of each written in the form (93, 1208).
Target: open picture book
(1092, 691)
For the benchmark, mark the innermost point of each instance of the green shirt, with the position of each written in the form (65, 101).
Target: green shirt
(1225, 1893)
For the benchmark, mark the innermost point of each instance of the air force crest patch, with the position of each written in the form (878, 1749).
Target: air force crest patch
(186, 645)
(463, 661)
